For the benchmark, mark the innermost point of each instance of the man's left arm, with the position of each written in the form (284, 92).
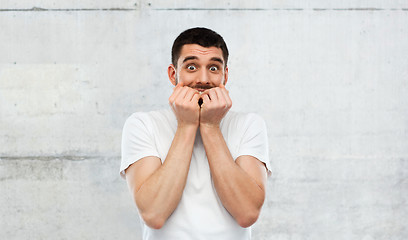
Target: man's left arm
(240, 184)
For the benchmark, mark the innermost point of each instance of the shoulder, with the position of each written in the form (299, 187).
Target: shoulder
(147, 118)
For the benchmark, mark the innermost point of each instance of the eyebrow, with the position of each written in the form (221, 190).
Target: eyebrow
(217, 59)
(189, 58)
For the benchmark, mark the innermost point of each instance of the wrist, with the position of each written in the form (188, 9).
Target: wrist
(209, 128)
(187, 126)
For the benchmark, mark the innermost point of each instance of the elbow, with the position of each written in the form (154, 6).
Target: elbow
(153, 221)
(248, 219)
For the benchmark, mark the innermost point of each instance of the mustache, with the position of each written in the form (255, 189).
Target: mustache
(202, 86)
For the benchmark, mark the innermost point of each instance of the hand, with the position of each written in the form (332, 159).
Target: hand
(184, 102)
(216, 104)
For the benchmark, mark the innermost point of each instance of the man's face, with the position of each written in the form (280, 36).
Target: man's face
(199, 67)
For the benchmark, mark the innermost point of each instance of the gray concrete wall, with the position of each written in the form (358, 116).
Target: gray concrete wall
(329, 77)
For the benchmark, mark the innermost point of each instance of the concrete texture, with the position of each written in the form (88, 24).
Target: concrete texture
(329, 78)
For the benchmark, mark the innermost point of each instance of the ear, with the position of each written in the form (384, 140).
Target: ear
(171, 71)
(225, 75)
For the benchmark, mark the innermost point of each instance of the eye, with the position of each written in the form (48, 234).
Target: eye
(213, 68)
(191, 67)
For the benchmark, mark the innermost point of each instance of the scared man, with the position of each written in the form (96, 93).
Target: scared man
(196, 170)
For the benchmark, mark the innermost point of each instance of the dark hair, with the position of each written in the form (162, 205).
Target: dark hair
(202, 36)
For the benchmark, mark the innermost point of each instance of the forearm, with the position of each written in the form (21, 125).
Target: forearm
(160, 194)
(238, 191)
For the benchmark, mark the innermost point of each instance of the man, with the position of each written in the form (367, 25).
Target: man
(196, 170)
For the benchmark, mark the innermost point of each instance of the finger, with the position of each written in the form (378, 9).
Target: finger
(221, 98)
(182, 93)
(206, 92)
(206, 99)
(226, 97)
(175, 93)
(190, 94)
(179, 85)
(173, 97)
(195, 98)
(222, 86)
(212, 94)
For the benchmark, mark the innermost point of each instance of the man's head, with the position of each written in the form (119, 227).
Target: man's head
(199, 59)
(202, 36)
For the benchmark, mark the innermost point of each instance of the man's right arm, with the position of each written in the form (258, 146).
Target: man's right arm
(157, 188)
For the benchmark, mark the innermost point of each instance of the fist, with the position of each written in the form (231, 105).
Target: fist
(184, 103)
(216, 104)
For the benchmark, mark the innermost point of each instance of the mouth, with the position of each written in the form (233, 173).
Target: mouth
(200, 90)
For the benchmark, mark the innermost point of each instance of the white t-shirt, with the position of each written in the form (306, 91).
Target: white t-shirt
(200, 213)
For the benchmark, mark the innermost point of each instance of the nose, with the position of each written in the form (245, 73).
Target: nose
(203, 77)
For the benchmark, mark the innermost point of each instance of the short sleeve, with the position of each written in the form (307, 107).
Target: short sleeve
(137, 140)
(255, 140)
